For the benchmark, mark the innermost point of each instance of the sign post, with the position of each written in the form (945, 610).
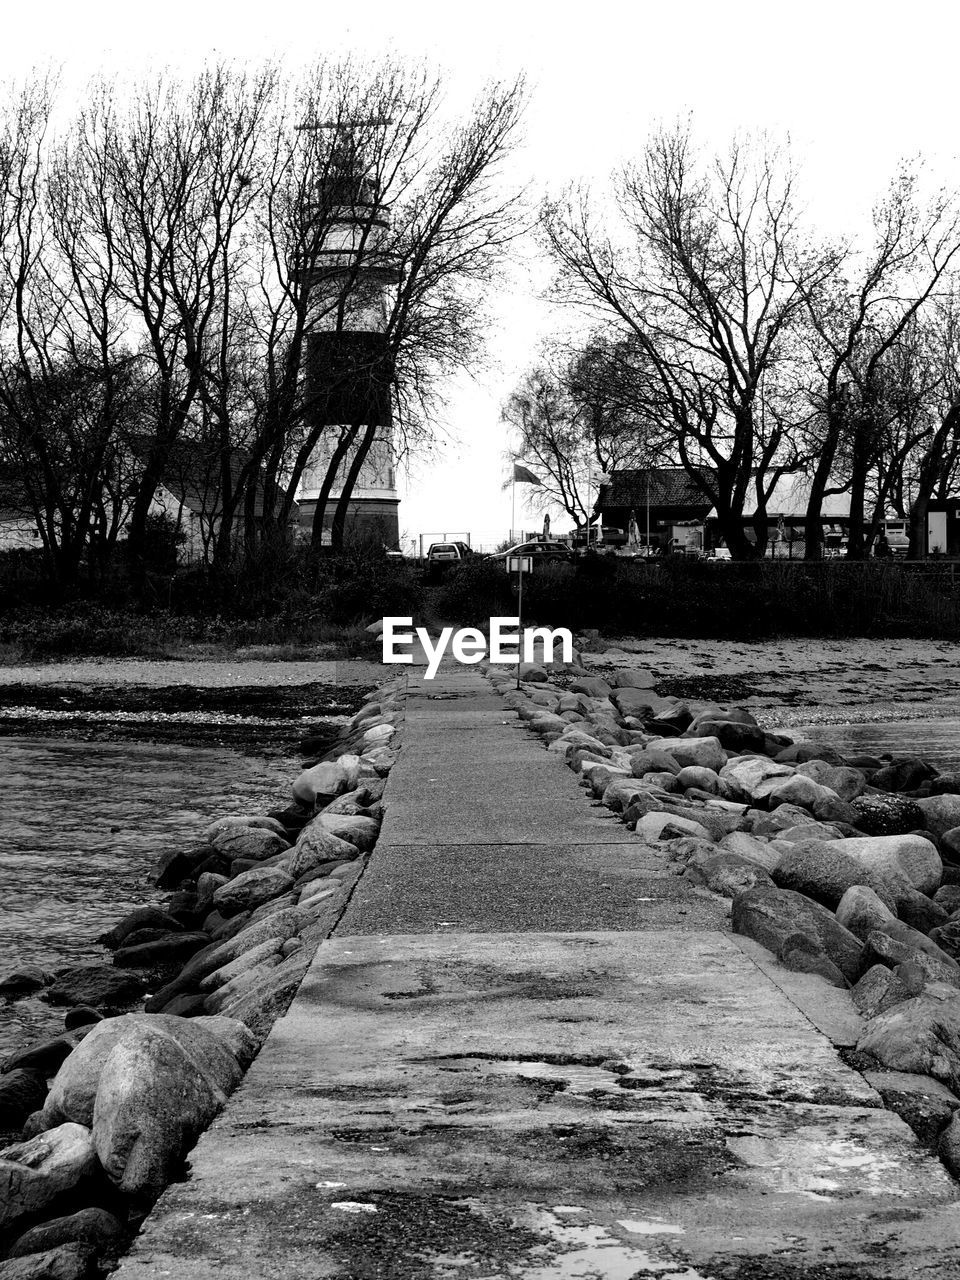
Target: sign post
(519, 565)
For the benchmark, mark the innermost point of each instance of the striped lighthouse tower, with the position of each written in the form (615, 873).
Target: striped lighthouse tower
(348, 366)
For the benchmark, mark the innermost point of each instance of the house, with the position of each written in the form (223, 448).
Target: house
(662, 501)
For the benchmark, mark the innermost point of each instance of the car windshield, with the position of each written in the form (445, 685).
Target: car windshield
(443, 546)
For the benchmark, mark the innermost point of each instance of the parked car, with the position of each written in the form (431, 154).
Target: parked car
(440, 552)
(719, 553)
(539, 552)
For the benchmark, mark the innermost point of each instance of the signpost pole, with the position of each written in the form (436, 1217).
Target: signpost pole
(520, 622)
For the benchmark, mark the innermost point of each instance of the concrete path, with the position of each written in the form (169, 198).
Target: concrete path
(531, 1052)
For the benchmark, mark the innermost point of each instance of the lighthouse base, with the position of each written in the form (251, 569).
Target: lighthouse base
(372, 520)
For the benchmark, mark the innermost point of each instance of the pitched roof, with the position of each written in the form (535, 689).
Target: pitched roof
(192, 475)
(668, 487)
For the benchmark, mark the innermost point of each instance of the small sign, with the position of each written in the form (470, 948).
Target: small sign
(519, 564)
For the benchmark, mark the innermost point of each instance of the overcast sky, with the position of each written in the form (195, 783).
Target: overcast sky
(855, 85)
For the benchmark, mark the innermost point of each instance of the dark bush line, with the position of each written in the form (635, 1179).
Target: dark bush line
(697, 599)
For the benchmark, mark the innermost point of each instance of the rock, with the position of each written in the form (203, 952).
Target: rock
(950, 844)
(139, 918)
(846, 783)
(948, 1146)
(748, 846)
(703, 779)
(94, 1227)
(73, 1092)
(317, 844)
(822, 871)
(21, 982)
(182, 1006)
(259, 1008)
(633, 678)
(753, 776)
(235, 822)
(887, 815)
(243, 963)
(643, 760)
(716, 822)
(909, 855)
(234, 1036)
(33, 1174)
(940, 813)
(705, 753)
(43, 1055)
(68, 1262)
(153, 1101)
(803, 791)
(861, 911)
(378, 736)
(918, 911)
(251, 889)
(734, 736)
(21, 1091)
(947, 938)
(321, 783)
(894, 943)
(171, 949)
(96, 985)
(926, 1105)
(948, 897)
(667, 826)
(171, 870)
(256, 843)
(776, 918)
(726, 873)
(920, 1036)
(904, 774)
(881, 988)
(359, 831)
(811, 830)
(592, 686)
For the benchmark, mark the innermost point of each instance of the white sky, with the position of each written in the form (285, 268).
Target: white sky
(856, 86)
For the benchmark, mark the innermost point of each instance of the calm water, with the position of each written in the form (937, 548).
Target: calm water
(935, 740)
(81, 826)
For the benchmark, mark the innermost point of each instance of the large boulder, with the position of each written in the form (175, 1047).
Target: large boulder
(894, 943)
(668, 826)
(726, 873)
(895, 856)
(861, 911)
(21, 1092)
(238, 822)
(886, 815)
(800, 790)
(633, 678)
(259, 1007)
(94, 1227)
(920, 1036)
(251, 889)
(74, 1261)
(321, 783)
(706, 753)
(361, 832)
(139, 918)
(33, 1174)
(74, 1089)
(824, 872)
(255, 843)
(925, 1104)
(644, 760)
(745, 845)
(172, 948)
(733, 735)
(940, 813)
(798, 930)
(694, 775)
(905, 774)
(99, 985)
(317, 844)
(754, 777)
(847, 783)
(153, 1101)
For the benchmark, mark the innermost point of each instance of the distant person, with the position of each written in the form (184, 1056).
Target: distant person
(883, 549)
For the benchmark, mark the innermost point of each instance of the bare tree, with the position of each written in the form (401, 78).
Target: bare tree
(708, 273)
(856, 322)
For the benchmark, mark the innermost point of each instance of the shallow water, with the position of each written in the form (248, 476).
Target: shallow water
(936, 740)
(81, 826)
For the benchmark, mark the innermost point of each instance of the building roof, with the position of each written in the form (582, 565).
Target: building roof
(668, 487)
(192, 475)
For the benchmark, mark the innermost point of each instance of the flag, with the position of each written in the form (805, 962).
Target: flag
(523, 475)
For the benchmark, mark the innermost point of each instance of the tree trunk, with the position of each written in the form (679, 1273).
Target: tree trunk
(340, 452)
(338, 529)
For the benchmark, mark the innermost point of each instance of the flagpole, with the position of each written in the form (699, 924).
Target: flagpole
(513, 506)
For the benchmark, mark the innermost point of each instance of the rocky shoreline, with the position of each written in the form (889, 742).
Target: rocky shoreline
(258, 719)
(846, 868)
(107, 1110)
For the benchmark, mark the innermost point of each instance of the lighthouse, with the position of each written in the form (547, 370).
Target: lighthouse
(347, 355)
